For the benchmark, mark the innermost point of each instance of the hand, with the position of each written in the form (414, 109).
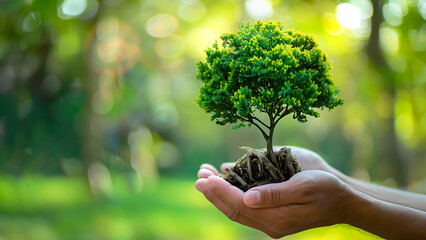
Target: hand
(309, 199)
(308, 160)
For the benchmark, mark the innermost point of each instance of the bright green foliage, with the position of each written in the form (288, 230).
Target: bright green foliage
(264, 68)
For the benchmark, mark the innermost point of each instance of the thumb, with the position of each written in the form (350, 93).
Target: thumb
(272, 195)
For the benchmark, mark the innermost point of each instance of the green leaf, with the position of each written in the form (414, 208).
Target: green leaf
(262, 64)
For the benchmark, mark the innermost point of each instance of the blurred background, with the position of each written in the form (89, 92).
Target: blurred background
(101, 137)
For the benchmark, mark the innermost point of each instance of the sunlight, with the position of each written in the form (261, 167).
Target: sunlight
(330, 25)
(259, 9)
(422, 8)
(74, 7)
(392, 13)
(197, 39)
(349, 15)
(389, 40)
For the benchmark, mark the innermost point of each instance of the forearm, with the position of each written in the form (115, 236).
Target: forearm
(387, 194)
(388, 220)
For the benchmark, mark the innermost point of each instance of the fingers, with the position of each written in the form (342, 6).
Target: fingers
(274, 195)
(209, 167)
(224, 166)
(228, 199)
(214, 170)
(200, 184)
(204, 173)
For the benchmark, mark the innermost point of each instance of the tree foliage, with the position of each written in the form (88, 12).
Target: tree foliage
(264, 68)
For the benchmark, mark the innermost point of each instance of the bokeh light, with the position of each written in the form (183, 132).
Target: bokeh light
(101, 136)
(72, 8)
(422, 8)
(168, 155)
(117, 46)
(392, 13)
(100, 179)
(166, 116)
(331, 25)
(142, 159)
(349, 15)
(259, 8)
(404, 122)
(170, 47)
(404, 125)
(199, 39)
(192, 11)
(161, 25)
(389, 40)
(355, 16)
(31, 22)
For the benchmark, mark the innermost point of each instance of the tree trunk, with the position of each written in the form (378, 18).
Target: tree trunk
(269, 145)
(388, 144)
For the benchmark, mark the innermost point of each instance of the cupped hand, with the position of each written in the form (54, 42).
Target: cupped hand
(308, 160)
(309, 199)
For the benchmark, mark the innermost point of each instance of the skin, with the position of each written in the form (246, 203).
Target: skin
(310, 160)
(317, 196)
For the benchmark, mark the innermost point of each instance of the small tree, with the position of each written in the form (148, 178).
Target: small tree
(265, 69)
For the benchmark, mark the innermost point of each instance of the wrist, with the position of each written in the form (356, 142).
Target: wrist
(362, 207)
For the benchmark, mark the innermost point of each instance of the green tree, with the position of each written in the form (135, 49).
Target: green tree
(265, 69)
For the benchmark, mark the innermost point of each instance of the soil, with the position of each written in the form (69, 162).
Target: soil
(257, 168)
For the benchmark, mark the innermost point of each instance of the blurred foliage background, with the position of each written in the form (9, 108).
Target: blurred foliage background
(101, 138)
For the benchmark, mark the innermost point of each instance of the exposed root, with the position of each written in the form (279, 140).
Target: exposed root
(288, 162)
(237, 177)
(271, 168)
(255, 168)
(250, 171)
(274, 159)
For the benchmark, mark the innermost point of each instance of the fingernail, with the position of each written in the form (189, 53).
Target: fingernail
(252, 198)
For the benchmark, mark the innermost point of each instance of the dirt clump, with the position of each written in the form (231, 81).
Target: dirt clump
(256, 168)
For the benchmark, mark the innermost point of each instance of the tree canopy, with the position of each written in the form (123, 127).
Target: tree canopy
(265, 68)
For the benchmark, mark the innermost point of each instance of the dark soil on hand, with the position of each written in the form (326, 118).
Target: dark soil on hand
(256, 168)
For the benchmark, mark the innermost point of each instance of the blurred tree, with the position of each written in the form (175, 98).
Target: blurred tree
(38, 103)
(391, 149)
(387, 141)
(84, 81)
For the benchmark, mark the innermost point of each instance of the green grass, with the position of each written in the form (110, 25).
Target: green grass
(38, 207)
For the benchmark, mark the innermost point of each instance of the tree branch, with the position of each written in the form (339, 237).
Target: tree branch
(284, 113)
(250, 120)
(241, 118)
(257, 119)
(273, 105)
(278, 112)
